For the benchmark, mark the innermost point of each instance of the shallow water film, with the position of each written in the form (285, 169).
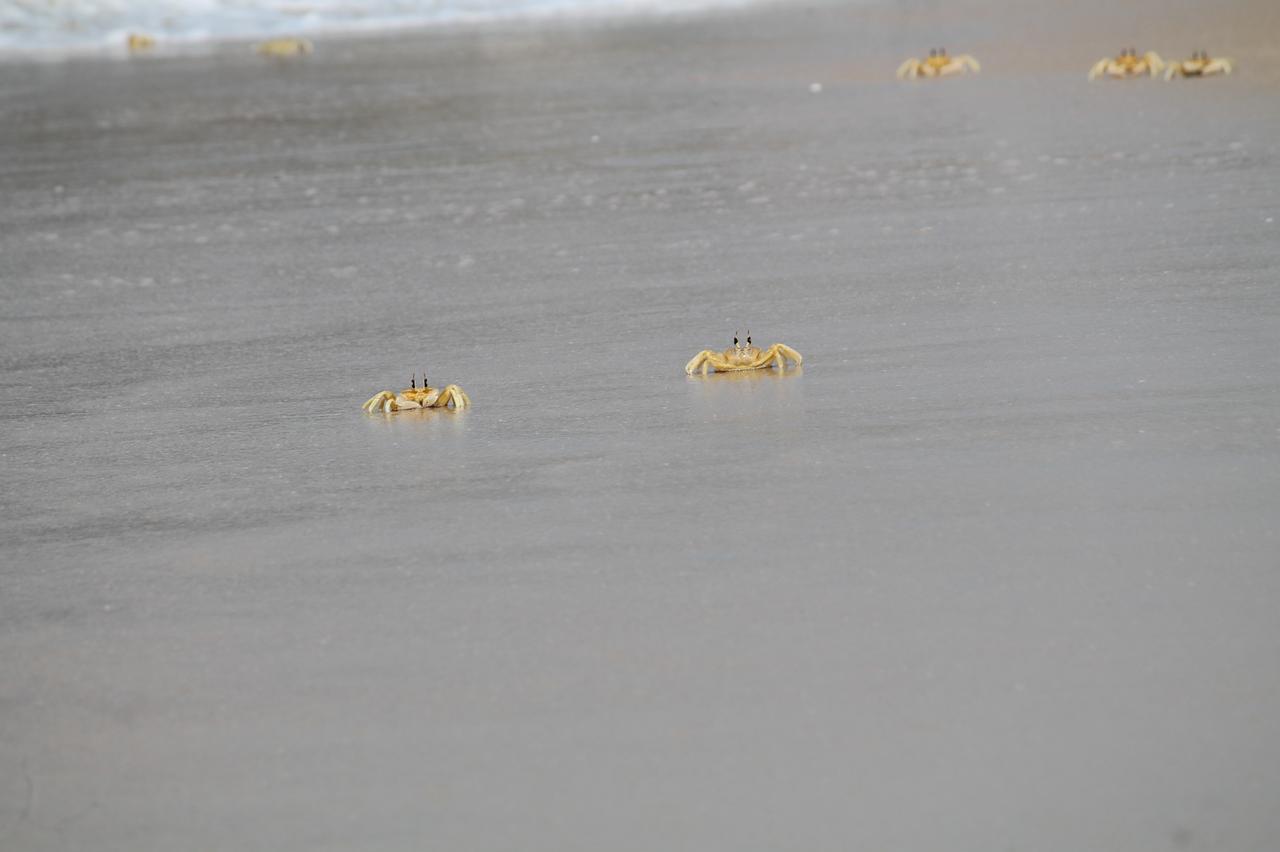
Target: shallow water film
(995, 569)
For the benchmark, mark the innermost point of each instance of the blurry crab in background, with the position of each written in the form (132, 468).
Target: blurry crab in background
(1199, 65)
(1128, 64)
(937, 64)
(283, 48)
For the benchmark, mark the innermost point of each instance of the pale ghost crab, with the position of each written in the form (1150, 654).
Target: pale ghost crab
(1128, 64)
(1199, 65)
(938, 64)
(139, 42)
(418, 397)
(284, 48)
(743, 357)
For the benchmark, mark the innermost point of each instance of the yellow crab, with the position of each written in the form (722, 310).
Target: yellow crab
(284, 47)
(1199, 65)
(938, 64)
(418, 397)
(139, 42)
(743, 357)
(1128, 64)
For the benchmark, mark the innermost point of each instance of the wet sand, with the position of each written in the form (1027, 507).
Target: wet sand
(997, 569)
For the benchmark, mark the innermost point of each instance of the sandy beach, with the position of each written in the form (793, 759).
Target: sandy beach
(998, 568)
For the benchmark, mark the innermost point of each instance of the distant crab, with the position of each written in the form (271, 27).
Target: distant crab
(743, 357)
(1199, 65)
(284, 47)
(139, 42)
(938, 64)
(417, 397)
(1128, 64)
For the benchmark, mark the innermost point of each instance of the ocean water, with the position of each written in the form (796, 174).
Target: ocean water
(997, 569)
(59, 27)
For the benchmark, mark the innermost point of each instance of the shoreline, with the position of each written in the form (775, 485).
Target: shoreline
(114, 48)
(877, 39)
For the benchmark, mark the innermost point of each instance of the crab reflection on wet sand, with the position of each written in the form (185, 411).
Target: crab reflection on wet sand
(743, 357)
(417, 397)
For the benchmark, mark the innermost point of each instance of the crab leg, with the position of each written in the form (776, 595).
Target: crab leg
(389, 402)
(702, 359)
(379, 400)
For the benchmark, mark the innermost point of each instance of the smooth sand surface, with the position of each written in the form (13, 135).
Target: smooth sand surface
(997, 570)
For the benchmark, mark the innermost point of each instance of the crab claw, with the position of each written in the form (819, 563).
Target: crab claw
(454, 394)
(781, 353)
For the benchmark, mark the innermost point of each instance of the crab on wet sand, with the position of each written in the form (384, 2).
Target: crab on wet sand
(417, 397)
(1128, 64)
(743, 356)
(139, 42)
(1199, 65)
(937, 64)
(284, 47)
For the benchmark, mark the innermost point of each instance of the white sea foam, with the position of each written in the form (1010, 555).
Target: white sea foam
(51, 26)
